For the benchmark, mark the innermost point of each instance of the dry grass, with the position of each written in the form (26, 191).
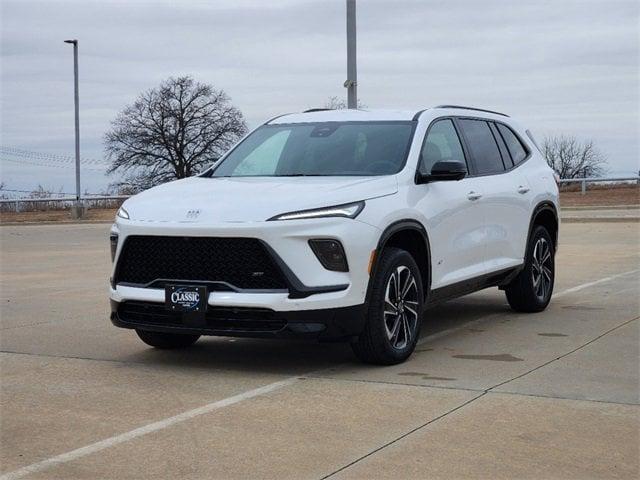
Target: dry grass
(58, 216)
(601, 195)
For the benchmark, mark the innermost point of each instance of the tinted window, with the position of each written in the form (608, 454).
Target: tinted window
(506, 156)
(320, 149)
(484, 149)
(517, 151)
(442, 143)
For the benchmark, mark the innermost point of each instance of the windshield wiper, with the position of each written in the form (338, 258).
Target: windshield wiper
(300, 175)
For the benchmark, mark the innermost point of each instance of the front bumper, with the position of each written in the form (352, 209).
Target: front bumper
(331, 324)
(312, 287)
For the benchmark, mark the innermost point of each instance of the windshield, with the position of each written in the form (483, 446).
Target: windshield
(320, 149)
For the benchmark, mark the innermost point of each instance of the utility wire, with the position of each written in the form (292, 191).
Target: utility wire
(51, 165)
(30, 154)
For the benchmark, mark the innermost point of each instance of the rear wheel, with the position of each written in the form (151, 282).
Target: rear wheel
(395, 311)
(531, 290)
(167, 340)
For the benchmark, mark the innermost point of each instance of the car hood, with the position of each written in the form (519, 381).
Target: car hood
(250, 199)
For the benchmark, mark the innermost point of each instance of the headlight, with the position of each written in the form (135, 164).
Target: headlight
(349, 210)
(122, 213)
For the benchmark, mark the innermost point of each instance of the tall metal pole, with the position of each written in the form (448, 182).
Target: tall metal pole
(77, 108)
(352, 76)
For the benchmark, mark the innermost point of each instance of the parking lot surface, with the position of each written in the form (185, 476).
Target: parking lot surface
(488, 394)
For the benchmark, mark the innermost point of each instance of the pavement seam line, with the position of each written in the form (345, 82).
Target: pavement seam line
(564, 354)
(518, 394)
(71, 357)
(400, 384)
(144, 430)
(406, 434)
(464, 389)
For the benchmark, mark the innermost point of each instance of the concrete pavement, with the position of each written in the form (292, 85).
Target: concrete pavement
(488, 394)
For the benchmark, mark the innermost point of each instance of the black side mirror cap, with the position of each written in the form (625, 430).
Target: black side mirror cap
(445, 170)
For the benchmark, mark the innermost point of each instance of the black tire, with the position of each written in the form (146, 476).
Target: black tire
(381, 342)
(167, 341)
(531, 290)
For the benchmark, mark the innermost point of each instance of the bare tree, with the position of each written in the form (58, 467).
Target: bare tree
(171, 132)
(571, 158)
(334, 103)
(41, 192)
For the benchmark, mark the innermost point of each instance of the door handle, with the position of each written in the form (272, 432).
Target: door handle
(473, 196)
(522, 189)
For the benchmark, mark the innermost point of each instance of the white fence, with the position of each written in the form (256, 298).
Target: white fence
(583, 181)
(59, 203)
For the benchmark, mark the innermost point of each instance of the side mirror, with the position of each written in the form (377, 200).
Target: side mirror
(444, 170)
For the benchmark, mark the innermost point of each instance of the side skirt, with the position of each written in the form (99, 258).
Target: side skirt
(494, 279)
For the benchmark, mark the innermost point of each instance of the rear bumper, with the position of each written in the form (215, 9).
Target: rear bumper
(323, 324)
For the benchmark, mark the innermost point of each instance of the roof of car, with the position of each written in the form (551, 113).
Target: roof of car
(367, 115)
(345, 115)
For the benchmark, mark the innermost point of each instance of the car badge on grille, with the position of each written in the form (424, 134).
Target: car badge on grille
(193, 214)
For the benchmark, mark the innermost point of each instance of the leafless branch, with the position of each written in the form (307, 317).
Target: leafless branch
(171, 132)
(571, 158)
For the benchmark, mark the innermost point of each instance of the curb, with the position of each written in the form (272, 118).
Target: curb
(600, 219)
(599, 207)
(56, 222)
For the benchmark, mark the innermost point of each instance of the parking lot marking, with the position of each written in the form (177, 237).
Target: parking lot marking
(591, 284)
(181, 417)
(577, 288)
(138, 432)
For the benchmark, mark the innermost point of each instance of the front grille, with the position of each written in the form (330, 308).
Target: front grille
(217, 318)
(244, 263)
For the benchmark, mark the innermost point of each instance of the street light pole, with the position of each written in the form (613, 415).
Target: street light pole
(352, 78)
(77, 108)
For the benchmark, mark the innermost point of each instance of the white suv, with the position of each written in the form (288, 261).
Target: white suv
(340, 225)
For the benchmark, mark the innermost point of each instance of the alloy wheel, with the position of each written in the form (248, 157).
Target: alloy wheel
(401, 307)
(542, 269)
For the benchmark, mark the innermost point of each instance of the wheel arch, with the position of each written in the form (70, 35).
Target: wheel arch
(409, 235)
(546, 214)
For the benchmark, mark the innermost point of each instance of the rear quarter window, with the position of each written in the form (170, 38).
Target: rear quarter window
(517, 151)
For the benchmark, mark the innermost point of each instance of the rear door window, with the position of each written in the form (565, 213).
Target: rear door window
(516, 149)
(484, 149)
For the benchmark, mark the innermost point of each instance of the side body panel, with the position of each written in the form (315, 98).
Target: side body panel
(469, 238)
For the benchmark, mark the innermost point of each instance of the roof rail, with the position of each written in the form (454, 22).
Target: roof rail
(277, 116)
(317, 110)
(418, 113)
(471, 108)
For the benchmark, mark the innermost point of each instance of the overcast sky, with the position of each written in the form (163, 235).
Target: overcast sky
(559, 66)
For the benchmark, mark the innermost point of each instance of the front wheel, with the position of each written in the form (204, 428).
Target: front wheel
(531, 290)
(167, 341)
(395, 311)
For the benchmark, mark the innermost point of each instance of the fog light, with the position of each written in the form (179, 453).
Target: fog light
(113, 239)
(331, 254)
